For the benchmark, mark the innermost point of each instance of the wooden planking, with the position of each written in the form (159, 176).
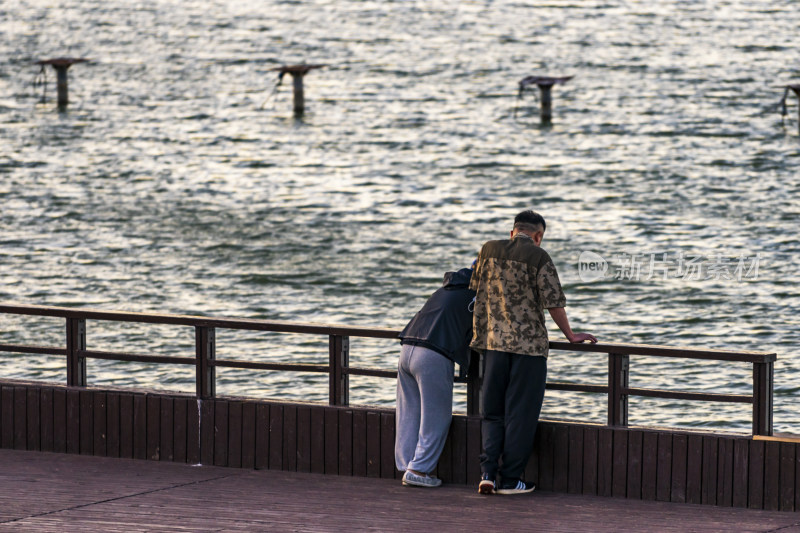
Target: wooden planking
(318, 440)
(331, 448)
(126, 426)
(444, 467)
(561, 458)
(207, 430)
(388, 469)
(73, 421)
(139, 427)
(458, 436)
(797, 478)
(590, 447)
(167, 430)
(546, 455)
(634, 464)
(787, 476)
(86, 422)
(679, 465)
(360, 443)
(46, 418)
(474, 451)
(710, 457)
(7, 416)
(262, 436)
(373, 444)
(649, 465)
(605, 461)
(575, 474)
(772, 466)
(249, 427)
(664, 467)
(694, 469)
(303, 439)
(317, 449)
(235, 434)
(290, 438)
(153, 427)
(740, 458)
(20, 418)
(755, 477)
(33, 416)
(194, 433)
(100, 425)
(346, 443)
(276, 437)
(59, 421)
(144, 495)
(112, 424)
(220, 433)
(722, 470)
(619, 464)
(725, 472)
(180, 429)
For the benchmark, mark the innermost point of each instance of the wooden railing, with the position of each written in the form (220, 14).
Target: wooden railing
(339, 369)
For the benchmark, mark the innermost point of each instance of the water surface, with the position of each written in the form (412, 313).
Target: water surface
(178, 180)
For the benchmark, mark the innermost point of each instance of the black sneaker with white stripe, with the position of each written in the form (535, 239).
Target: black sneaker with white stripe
(520, 487)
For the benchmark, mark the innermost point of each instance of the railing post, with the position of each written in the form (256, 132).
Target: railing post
(338, 378)
(76, 342)
(762, 398)
(618, 365)
(205, 340)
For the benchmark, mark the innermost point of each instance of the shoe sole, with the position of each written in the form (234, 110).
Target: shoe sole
(485, 488)
(407, 484)
(514, 491)
(423, 485)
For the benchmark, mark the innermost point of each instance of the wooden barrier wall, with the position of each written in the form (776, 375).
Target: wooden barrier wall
(675, 466)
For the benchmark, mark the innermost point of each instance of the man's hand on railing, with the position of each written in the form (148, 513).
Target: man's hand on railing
(580, 337)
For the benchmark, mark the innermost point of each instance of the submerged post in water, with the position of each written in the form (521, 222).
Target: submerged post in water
(545, 84)
(297, 72)
(61, 65)
(796, 89)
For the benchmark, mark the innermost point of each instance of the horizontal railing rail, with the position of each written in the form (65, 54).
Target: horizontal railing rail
(339, 369)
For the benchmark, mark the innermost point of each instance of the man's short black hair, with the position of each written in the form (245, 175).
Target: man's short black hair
(529, 220)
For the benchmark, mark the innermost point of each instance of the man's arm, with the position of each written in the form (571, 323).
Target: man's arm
(560, 318)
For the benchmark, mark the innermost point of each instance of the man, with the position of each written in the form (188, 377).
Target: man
(437, 337)
(515, 280)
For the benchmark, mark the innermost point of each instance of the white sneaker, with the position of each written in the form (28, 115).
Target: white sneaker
(410, 478)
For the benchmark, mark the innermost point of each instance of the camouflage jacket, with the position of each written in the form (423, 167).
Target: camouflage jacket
(515, 281)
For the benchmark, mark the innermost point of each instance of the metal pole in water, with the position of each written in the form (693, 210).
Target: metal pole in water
(299, 99)
(297, 72)
(61, 65)
(545, 84)
(61, 85)
(546, 112)
(796, 89)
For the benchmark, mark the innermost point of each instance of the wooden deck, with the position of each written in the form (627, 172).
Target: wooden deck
(42, 491)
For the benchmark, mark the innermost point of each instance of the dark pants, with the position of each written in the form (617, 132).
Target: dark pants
(511, 400)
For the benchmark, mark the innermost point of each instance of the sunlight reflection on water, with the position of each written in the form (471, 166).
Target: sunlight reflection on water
(168, 188)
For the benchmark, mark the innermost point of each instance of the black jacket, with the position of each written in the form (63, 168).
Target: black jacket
(444, 323)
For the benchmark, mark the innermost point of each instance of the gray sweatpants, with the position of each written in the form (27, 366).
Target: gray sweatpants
(424, 407)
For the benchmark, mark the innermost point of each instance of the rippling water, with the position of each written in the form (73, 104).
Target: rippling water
(178, 180)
